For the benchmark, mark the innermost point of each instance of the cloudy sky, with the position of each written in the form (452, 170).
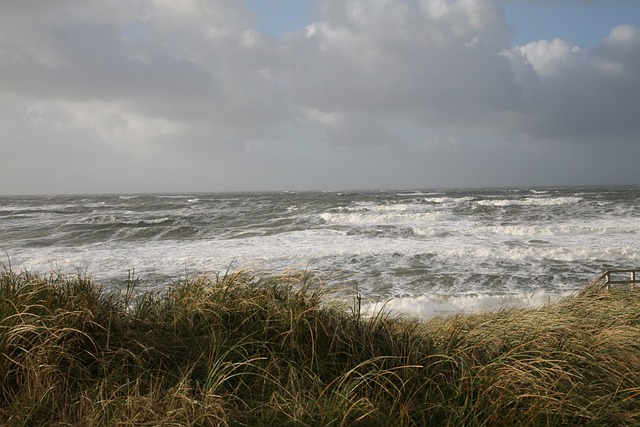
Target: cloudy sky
(224, 95)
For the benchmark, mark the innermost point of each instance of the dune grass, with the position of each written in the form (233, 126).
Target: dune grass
(248, 349)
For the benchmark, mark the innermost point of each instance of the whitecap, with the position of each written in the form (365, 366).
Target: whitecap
(427, 306)
(531, 201)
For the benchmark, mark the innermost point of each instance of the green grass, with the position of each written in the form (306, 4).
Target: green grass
(247, 349)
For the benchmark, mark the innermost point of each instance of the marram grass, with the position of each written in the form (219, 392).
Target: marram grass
(247, 349)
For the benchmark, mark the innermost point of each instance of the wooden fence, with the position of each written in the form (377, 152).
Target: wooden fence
(614, 277)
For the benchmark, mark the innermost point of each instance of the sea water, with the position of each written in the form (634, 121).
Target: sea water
(419, 252)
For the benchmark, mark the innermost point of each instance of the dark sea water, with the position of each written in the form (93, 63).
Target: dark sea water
(428, 251)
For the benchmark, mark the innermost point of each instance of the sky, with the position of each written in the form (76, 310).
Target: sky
(129, 96)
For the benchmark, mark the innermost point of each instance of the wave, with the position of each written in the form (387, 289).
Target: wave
(447, 200)
(575, 229)
(531, 201)
(391, 218)
(120, 221)
(431, 231)
(428, 306)
(417, 194)
(173, 196)
(536, 253)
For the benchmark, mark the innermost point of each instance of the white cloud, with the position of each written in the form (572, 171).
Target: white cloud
(548, 57)
(623, 35)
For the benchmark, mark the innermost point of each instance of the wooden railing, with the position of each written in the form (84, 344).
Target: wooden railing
(612, 277)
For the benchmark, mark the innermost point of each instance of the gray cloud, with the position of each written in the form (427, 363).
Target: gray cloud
(386, 94)
(578, 95)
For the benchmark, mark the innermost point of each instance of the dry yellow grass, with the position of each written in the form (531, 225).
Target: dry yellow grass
(247, 349)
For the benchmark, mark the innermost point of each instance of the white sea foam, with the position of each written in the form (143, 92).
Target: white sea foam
(427, 306)
(384, 216)
(416, 194)
(447, 200)
(531, 201)
(568, 229)
(429, 231)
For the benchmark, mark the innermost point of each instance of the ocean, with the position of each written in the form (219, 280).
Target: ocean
(420, 252)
